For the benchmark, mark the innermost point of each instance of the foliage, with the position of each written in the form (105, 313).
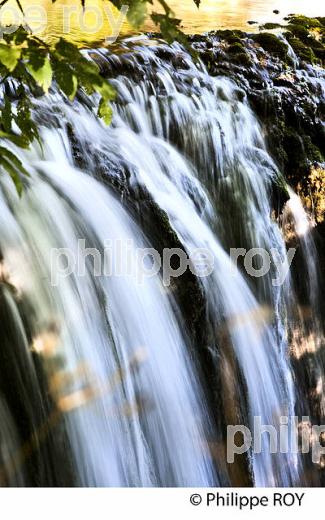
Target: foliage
(34, 66)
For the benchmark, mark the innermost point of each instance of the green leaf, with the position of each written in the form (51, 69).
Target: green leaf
(6, 114)
(69, 51)
(137, 12)
(14, 167)
(169, 27)
(105, 111)
(24, 121)
(106, 91)
(28, 60)
(9, 56)
(74, 81)
(65, 78)
(43, 75)
(14, 174)
(35, 55)
(18, 140)
(14, 159)
(20, 36)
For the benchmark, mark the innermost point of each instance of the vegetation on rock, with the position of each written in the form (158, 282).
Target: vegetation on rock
(271, 43)
(285, 103)
(289, 104)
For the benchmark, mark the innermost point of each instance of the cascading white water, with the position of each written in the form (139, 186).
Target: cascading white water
(305, 323)
(162, 443)
(133, 407)
(222, 143)
(302, 226)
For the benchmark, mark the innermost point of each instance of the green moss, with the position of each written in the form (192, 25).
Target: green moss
(165, 229)
(300, 32)
(304, 21)
(282, 186)
(236, 48)
(319, 52)
(238, 52)
(294, 148)
(312, 152)
(303, 29)
(307, 48)
(303, 51)
(270, 25)
(234, 39)
(300, 150)
(242, 58)
(230, 36)
(272, 44)
(221, 94)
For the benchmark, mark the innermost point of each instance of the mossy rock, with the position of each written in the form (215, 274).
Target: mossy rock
(300, 150)
(320, 54)
(236, 48)
(300, 32)
(229, 35)
(294, 147)
(318, 49)
(303, 52)
(280, 190)
(304, 29)
(304, 21)
(234, 39)
(270, 25)
(242, 58)
(312, 152)
(272, 44)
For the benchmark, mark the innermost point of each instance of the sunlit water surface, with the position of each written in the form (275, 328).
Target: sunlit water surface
(66, 17)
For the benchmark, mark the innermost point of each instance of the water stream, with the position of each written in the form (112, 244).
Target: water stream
(109, 360)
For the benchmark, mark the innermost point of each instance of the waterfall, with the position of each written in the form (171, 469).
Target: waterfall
(123, 378)
(120, 339)
(305, 310)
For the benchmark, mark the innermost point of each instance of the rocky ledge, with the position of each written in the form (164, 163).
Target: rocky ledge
(283, 76)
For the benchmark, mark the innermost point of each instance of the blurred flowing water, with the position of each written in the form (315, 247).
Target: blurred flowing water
(112, 384)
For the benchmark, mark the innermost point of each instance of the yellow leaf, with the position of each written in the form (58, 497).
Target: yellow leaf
(9, 56)
(43, 76)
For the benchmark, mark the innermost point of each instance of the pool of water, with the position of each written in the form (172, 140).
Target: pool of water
(100, 19)
(236, 13)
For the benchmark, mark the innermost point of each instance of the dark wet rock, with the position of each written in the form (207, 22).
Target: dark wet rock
(279, 75)
(282, 81)
(284, 90)
(272, 44)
